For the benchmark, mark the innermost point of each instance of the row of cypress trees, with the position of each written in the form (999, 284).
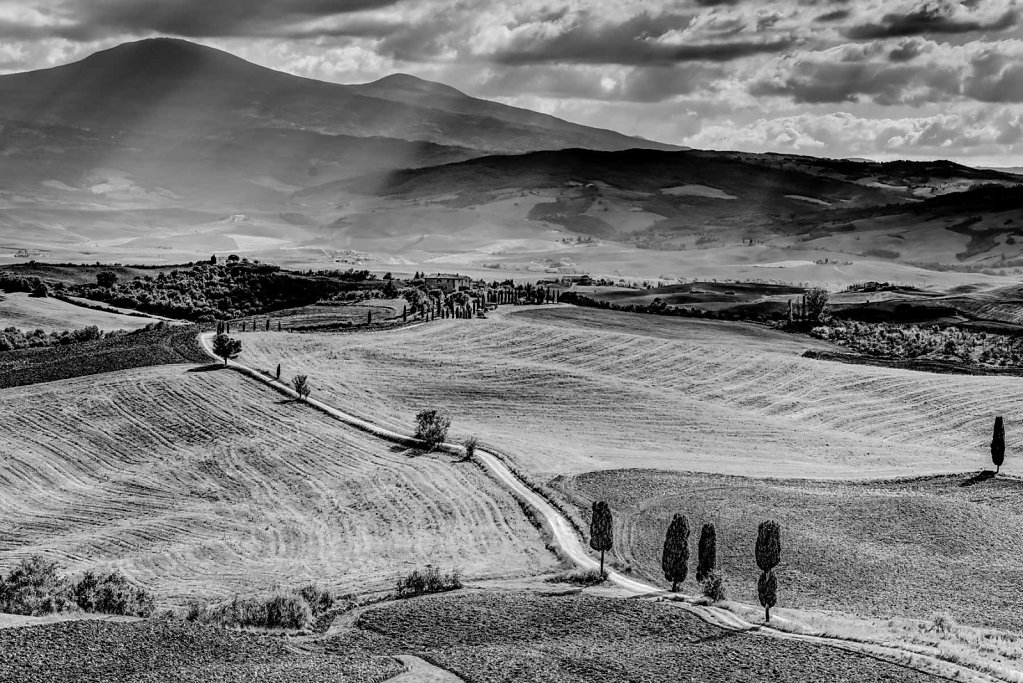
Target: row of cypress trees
(675, 553)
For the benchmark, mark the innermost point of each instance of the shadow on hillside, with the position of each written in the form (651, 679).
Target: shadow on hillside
(981, 476)
(727, 634)
(208, 368)
(408, 451)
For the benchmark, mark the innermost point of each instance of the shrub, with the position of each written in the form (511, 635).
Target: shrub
(320, 599)
(432, 427)
(111, 594)
(278, 610)
(469, 444)
(580, 577)
(430, 580)
(713, 587)
(33, 588)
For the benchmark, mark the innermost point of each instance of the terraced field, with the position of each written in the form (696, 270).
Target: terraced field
(905, 548)
(568, 390)
(203, 484)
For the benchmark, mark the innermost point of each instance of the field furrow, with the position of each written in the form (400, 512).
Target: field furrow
(205, 484)
(570, 390)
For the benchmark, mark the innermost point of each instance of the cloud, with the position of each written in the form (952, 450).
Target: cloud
(931, 17)
(843, 134)
(645, 39)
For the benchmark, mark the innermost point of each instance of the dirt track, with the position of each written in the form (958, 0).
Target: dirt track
(572, 546)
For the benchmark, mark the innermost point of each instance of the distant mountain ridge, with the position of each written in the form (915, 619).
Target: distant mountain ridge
(174, 87)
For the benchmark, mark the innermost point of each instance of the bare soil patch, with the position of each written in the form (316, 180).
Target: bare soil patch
(488, 637)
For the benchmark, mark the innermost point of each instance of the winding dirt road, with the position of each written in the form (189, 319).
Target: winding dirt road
(922, 659)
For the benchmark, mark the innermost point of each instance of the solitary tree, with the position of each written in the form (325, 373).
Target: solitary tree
(708, 552)
(301, 386)
(675, 557)
(601, 531)
(106, 279)
(998, 444)
(768, 554)
(432, 427)
(816, 304)
(469, 445)
(227, 348)
(278, 372)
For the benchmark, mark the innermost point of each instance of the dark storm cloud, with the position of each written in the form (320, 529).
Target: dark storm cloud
(631, 43)
(931, 18)
(93, 19)
(835, 15)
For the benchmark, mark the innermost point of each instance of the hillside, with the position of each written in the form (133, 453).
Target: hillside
(257, 493)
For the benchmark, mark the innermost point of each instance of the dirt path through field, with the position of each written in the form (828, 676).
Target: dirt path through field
(421, 671)
(572, 546)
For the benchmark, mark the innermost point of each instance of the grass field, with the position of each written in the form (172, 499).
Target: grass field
(203, 484)
(568, 390)
(487, 637)
(909, 548)
(18, 309)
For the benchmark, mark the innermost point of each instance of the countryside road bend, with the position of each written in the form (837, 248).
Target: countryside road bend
(572, 546)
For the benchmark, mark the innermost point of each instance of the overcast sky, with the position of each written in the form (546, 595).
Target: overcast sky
(843, 78)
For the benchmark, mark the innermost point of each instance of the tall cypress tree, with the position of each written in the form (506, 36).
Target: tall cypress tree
(675, 557)
(601, 532)
(768, 552)
(708, 552)
(998, 444)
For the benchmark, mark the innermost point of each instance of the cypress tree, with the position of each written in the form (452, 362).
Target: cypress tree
(268, 324)
(998, 444)
(404, 314)
(601, 532)
(708, 552)
(369, 317)
(675, 557)
(768, 552)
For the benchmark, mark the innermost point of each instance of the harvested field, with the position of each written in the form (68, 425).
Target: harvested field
(170, 650)
(143, 348)
(568, 390)
(487, 637)
(327, 318)
(18, 309)
(908, 548)
(203, 484)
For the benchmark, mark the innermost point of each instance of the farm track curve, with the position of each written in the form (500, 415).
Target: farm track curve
(572, 546)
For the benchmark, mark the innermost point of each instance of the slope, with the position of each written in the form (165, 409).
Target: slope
(255, 494)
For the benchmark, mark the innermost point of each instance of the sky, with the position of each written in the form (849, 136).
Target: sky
(880, 79)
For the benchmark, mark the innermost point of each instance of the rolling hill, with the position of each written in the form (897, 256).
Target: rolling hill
(164, 151)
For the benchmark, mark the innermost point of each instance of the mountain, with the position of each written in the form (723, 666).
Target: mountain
(173, 88)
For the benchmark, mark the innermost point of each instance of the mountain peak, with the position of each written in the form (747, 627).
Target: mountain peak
(408, 82)
(163, 56)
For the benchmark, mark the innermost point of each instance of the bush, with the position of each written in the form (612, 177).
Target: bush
(713, 587)
(469, 444)
(301, 385)
(34, 588)
(111, 594)
(432, 427)
(580, 577)
(278, 610)
(430, 580)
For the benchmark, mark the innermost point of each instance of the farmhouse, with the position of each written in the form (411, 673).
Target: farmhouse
(446, 282)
